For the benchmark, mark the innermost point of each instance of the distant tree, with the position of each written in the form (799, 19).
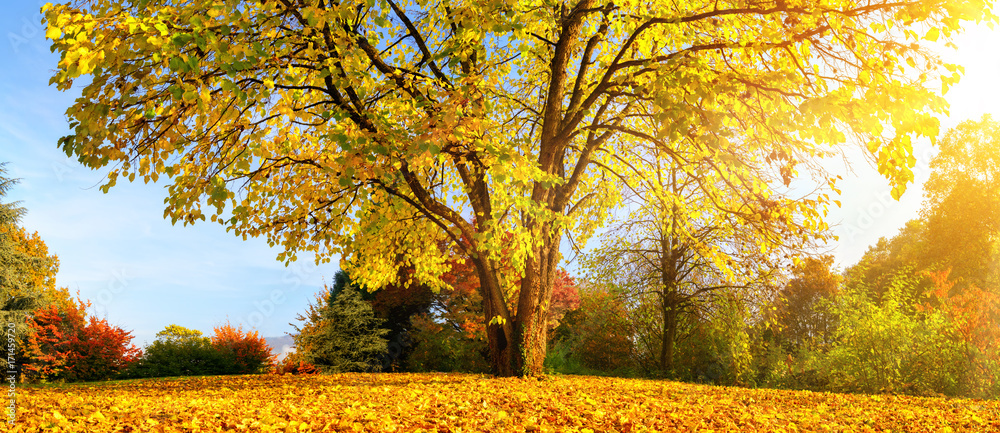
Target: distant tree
(959, 226)
(397, 304)
(962, 205)
(177, 333)
(341, 333)
(247, 350)
(689, 237)
(101, 351)
(800, 318)
(883, 262)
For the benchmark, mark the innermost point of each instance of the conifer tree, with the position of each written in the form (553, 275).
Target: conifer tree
(342, 333)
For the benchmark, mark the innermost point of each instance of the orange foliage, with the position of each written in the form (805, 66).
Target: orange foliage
(293, 364)
(66, 344)
(973, 311)
(250, 351)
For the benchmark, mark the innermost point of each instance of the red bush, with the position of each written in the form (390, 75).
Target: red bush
(66, 345)
(249, 350)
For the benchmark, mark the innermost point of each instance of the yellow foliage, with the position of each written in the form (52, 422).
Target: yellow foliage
(468, 403)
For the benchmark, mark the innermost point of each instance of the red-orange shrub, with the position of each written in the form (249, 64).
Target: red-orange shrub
(64, 344)
(249, 351)
(293, 364)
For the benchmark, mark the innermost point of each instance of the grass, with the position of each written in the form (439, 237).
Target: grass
(471, 403)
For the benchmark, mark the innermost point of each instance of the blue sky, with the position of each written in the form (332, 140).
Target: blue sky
(143, 274)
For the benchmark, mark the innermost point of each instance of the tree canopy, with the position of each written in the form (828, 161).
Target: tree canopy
(377, 130)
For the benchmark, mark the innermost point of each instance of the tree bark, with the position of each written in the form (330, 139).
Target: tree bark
(500, 336)
(668, 339)
(533, 306)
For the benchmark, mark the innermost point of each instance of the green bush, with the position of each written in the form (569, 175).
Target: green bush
(886, 345)
(179, 351)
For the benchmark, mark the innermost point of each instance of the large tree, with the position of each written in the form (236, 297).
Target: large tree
(378, 129)
(26, 268)
(958, 231)
(962, 205)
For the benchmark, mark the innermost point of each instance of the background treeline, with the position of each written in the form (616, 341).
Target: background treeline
(919, 313)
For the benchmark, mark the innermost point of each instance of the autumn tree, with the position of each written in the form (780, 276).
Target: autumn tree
(26, 268)
(884, 260)
(396, 304)
(962, 205)
(801, 318)
(688, 238)
(67, 344)
(959, 226)
(378, 130)
(974, 316)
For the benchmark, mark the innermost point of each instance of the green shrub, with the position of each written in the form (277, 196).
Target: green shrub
(179, 351)
(441, 347)
(887, 345)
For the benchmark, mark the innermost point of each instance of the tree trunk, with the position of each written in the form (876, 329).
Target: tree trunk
(668, 339)
(518, 345)
(499, 336)
(531, 325)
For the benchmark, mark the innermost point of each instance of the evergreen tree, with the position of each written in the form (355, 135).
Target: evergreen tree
(342, 334)
(19, 291)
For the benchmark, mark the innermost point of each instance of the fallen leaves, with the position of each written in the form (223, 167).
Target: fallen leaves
(469, 403)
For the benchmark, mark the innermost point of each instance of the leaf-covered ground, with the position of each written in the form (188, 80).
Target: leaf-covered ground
(467, 403)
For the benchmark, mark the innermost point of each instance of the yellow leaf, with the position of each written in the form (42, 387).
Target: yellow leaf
(932, 34)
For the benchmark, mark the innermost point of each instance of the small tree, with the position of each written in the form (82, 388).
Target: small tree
(341, 334)
(800, 322)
